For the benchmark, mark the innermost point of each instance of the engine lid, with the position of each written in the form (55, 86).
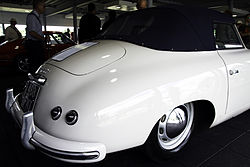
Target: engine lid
(88, 57)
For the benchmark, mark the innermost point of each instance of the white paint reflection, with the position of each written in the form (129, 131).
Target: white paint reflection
(106, 56)
(114, 80)
(118, 109)
(184, 89)
(113, 71)
(234, 65)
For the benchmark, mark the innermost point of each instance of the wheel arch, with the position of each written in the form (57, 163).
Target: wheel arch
(205, 114)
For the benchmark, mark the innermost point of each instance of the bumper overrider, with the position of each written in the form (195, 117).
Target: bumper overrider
(34, 138)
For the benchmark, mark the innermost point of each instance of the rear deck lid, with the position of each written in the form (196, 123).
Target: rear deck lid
(88, 57)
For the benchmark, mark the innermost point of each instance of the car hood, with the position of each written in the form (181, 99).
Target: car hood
(88, 57)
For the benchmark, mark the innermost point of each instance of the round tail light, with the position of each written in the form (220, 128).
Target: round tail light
(71, 117)
(56, 113)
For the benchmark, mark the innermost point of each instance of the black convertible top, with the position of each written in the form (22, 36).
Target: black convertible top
(173, 27)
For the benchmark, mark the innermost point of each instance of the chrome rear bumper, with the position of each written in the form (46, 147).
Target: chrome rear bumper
(77, 156)
(12, 106)
(9, 99)
(34, 138)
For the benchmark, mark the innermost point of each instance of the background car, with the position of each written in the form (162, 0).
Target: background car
(2, 39)
(14, 53)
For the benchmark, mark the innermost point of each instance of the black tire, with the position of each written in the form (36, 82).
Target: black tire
(157, 147)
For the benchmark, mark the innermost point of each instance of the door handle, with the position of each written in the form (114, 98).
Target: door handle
(232, 72)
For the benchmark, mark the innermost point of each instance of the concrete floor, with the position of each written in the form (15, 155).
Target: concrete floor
(226, 145)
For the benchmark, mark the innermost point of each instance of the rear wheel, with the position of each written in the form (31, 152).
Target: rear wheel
(171, 133)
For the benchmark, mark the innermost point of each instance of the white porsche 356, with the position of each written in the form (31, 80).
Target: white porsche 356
(152, 78)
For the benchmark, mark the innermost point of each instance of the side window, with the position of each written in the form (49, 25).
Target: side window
(57, 38)
(61, 38)
(52, 40)
(226, 37)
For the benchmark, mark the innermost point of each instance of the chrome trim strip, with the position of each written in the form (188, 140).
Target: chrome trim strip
(15, 110)
(65, 154)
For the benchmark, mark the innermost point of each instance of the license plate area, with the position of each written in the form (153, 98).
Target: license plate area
(29, 96)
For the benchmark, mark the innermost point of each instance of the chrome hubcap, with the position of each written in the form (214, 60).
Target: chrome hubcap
(175, 126)
(176, 123)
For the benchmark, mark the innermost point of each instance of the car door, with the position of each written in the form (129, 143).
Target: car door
(237, 60)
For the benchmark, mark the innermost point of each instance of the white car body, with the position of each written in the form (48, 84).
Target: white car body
(120, 91)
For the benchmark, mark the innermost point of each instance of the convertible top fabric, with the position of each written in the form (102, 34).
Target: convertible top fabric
(202, 19)
(173, 28)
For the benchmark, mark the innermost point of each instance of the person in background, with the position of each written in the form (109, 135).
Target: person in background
(111, 19)
(34, 35)
(141, 4)
(72, 36)
(67, 33)
(239, 23)
(90, 24)
(11, 32)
